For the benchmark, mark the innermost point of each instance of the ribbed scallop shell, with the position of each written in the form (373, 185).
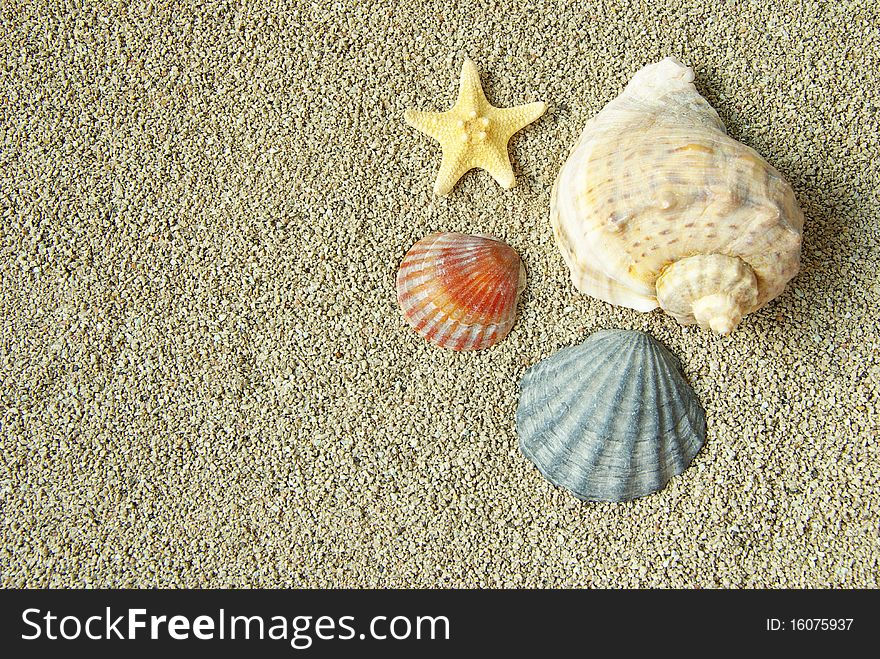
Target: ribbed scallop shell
(653, 179)
(611, 419)
(460, 291)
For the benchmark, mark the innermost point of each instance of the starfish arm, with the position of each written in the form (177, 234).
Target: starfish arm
(435, 124)
(496, 161)
(513, 120)
(471, 97)
(452, 168)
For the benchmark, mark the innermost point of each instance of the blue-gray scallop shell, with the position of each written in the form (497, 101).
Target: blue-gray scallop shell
(611, 419)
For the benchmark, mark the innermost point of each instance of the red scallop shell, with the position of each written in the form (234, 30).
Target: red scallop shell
(460, 291)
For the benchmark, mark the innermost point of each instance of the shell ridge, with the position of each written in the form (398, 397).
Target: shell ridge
(695, 423)
(666, 382)
(680, 441)
(538, 412)
(644, 475)
(687, 429)
(469, 290)
(635, 441)
(581, 380)
(495, 296)
(497, 292)
(668, 463)
(561, 359)
(599, 463)
(689, 424)
(555, 420)
(545, 420)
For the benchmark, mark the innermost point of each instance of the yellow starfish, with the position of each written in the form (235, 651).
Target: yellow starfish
(474, 133)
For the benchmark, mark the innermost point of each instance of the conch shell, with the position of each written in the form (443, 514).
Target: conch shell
(657, 206)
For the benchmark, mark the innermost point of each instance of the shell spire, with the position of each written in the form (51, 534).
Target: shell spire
(657, 206)
(711, 290)
(460, 291)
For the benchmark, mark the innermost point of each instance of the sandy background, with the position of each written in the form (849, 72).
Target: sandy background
(205, 377)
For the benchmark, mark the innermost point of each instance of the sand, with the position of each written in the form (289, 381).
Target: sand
(206, 380)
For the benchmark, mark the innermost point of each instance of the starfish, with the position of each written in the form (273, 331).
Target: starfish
(474, 133)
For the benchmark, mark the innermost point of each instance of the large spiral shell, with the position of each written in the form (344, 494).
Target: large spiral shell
(654, 180)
